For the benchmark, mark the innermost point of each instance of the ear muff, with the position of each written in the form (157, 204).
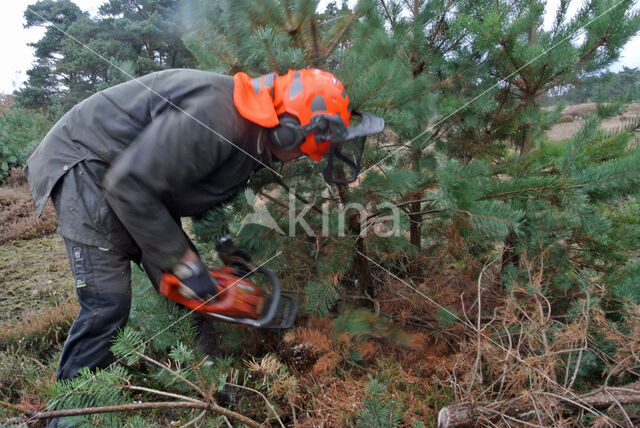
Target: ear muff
(288, 133)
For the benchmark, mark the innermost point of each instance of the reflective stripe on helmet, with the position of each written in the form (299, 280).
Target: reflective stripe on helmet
(318, 104)
(269, 79)
(296, 85)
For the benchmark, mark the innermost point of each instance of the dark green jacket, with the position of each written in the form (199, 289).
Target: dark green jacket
(150, 162)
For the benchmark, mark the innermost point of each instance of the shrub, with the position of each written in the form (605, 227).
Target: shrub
(20, 133)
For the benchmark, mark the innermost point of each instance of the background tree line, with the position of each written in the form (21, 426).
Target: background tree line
(80, 55)
(623, 86)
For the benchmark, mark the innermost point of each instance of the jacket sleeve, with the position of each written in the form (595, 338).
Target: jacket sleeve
(172, 153)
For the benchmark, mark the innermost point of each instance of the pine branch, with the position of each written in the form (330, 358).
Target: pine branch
(173, 372)
(271, 56)
(403, 203)
(486, 217)
(631, 126)
(274, 200)
(375, 91)
(424, 212)
(339, 36)
(298, 197)
(555, 187)
(126, 385)
(233, 65)
(518, 191)
(145, 406)
(158, 392)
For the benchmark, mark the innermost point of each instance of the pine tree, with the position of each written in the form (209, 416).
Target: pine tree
(259, 37)
(273, 36)
(379, 410)
(623, 85)
(465, 77)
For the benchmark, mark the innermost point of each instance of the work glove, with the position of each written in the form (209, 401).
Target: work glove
(196, 281)
(234, 257)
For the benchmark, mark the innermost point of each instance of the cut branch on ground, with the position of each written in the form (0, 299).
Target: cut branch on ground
(466, 414)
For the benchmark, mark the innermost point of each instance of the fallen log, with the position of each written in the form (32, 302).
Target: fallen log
(527, 406)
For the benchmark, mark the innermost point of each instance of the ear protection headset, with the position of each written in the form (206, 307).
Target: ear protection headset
(289, 133)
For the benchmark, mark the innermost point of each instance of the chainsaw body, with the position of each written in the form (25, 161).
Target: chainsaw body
(238, 300)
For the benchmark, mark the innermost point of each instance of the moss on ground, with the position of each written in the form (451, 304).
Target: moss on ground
(34, 274)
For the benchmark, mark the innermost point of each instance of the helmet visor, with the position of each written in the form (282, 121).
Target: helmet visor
(342, 144)
(347, 146)
(343, 161)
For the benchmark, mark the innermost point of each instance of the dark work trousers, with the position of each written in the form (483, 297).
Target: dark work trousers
(103, 288)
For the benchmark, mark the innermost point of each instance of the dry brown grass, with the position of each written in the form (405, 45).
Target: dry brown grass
(18, 217)
(333, 402)
(39, 329)
(16, 177)
(24, 381)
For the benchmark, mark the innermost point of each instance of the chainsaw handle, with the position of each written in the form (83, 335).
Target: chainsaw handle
(270, 312)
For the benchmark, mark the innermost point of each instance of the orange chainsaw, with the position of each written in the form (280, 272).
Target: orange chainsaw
(238, 300)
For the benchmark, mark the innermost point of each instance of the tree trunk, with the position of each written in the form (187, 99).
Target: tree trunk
(365, 279)
(509, 255)
(360, 263)
(415, 220)
(415, 225)
(527, 142)
(536, 404)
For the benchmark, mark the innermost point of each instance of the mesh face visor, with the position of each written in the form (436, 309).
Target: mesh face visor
(343, 161)
(347, 143)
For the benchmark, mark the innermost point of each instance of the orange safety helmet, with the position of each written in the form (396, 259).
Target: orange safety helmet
(302, 94)
(308, 108)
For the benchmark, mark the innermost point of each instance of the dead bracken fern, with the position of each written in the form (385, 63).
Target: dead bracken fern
(18, 216)
(334, 368)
